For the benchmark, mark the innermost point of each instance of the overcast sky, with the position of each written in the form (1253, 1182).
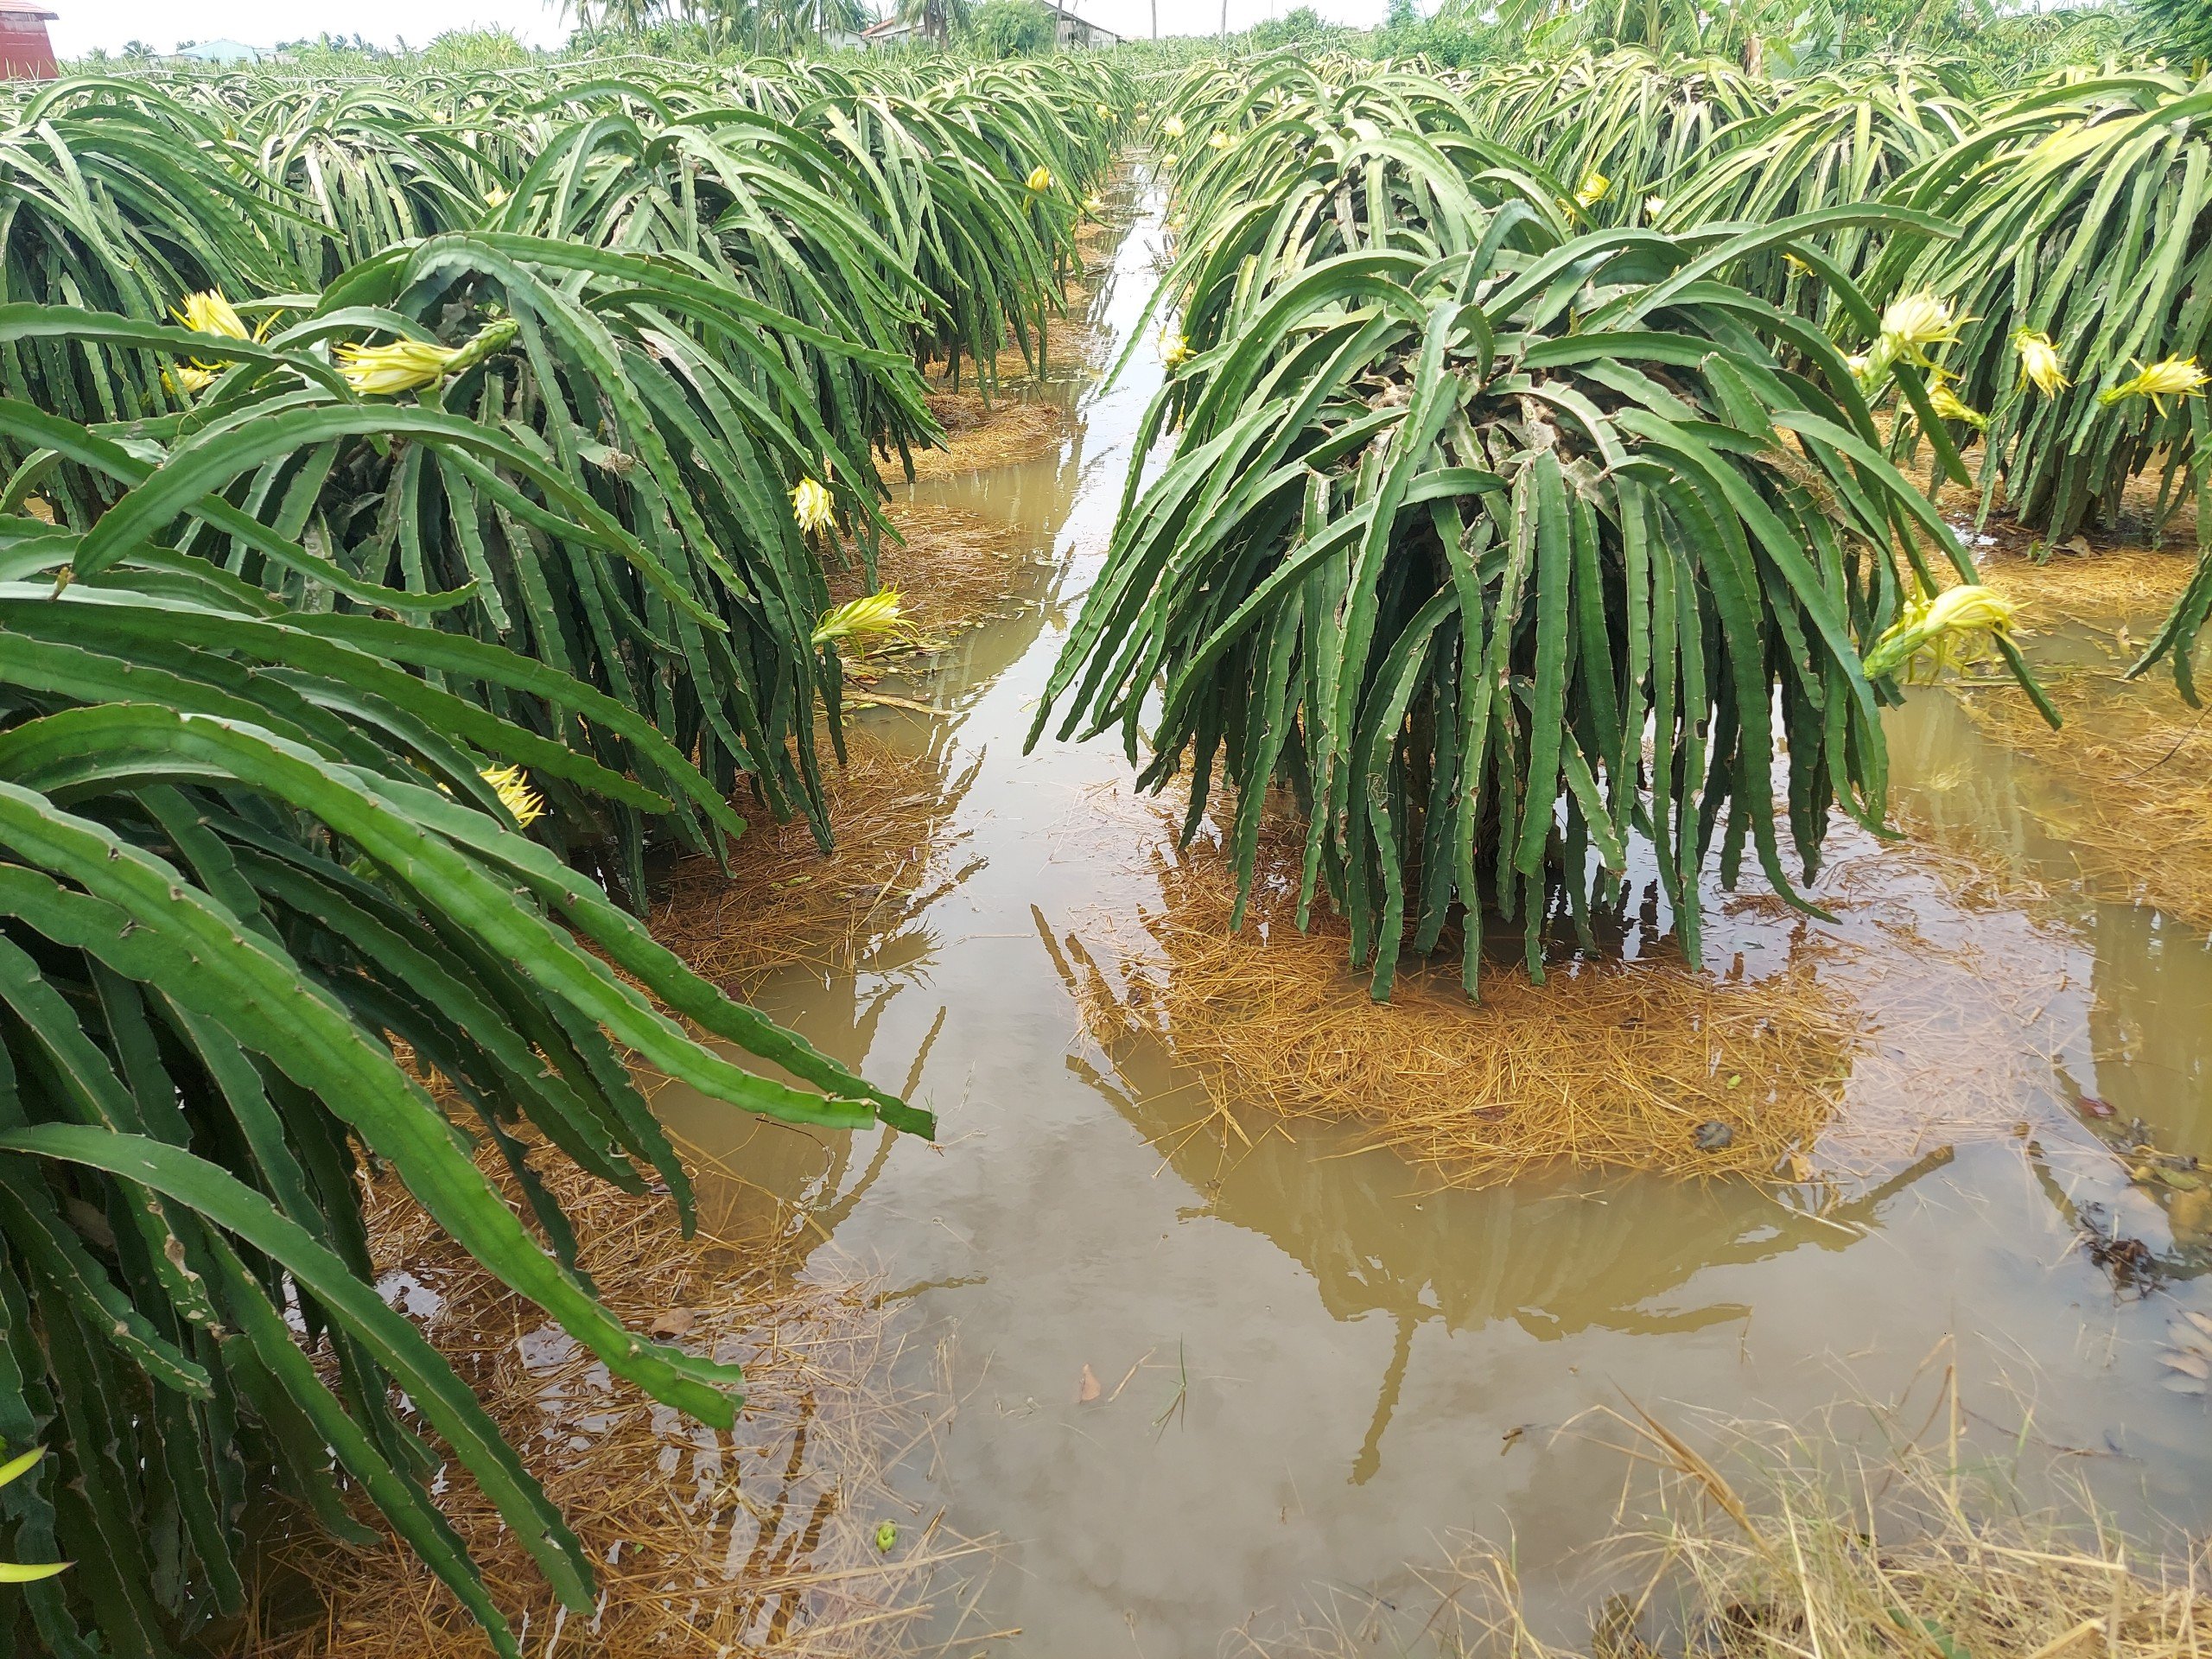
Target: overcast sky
(84, 24)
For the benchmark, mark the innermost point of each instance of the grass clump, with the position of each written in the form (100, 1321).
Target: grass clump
(1901, 1552)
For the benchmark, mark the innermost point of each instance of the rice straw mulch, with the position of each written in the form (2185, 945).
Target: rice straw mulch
(785, 904)
(2123, 782)
(1608, 1066)
(951, 569)
(2103, 589)
(763, 1539)
(983, 433)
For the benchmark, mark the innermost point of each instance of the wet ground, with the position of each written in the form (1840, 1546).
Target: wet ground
(1311, 1364)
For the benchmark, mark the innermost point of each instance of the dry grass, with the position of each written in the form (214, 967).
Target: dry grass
(1904, 1552)
(1613, 1064)
(2105, 588)
(759, 1540)
(784, 904)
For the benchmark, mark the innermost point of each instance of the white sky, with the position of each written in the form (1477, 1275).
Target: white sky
(84, 24)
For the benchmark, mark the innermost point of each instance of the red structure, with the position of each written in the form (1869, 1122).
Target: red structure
(25, 52)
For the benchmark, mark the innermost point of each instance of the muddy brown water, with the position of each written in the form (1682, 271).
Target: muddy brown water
(1314, 1366)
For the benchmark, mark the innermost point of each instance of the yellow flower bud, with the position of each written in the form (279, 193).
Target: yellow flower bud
(1946, 405)
(812, 509)
(1949, 630)
(409, 365)
(1172, 126)
(2039, 364)
(512, 785)
(1917, 321)
(1040, 180)
(866, 619)
(2171, 377)
(211, 313)
(1174, 351)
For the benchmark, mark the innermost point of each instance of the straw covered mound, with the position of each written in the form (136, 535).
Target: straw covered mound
(1615, 1064)
(762, 1540)
(785, 904)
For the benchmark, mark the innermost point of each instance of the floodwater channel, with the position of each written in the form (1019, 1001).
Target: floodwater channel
(1314, 1364)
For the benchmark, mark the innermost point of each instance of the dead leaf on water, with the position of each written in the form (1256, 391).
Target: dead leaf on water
(1088, 1390)
(676, 1322)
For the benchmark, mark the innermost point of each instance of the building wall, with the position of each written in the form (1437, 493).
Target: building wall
(25, 51)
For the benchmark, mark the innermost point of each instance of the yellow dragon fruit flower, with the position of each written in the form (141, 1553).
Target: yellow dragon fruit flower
(511, 785)
(865, 620)
(496, 196)
(2039, 364)
(1949, 630)
(1946, 405)
(2170, 377)
(1654, 207)
(1172, 126)
(811, 508)
(1174, 351)
(403, 365)
(1915, 323)
(209, 313)
(1039, 181)
(1218, 141)
(1094, 204)
(409, 364)
(1592, 189)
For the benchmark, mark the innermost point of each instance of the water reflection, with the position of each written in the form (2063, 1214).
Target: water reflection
(1311, 1362)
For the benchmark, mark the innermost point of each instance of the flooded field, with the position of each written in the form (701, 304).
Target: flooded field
(1211, 1364)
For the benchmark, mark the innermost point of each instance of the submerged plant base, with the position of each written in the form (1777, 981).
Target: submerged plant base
(1642, 1065)
(763, 1538)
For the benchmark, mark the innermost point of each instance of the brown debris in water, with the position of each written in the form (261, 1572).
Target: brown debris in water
(2126, 782)
(762, 1538)
(1610, 1065)
(784, 904)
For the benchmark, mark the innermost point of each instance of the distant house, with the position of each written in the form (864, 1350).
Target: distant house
(892, 31)
(1069, 32)
(216, 52)
(25, 51)
(1074, 34)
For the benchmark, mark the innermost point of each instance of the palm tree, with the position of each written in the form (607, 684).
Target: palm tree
(937, 18)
